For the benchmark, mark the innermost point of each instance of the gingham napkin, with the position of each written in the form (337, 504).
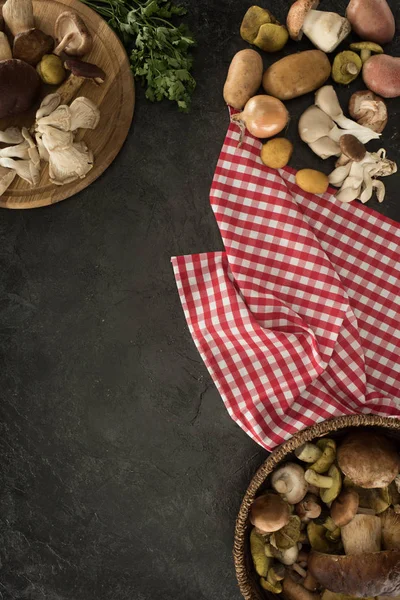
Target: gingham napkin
(298, 320)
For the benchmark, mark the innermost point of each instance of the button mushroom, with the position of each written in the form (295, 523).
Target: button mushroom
(361, 575)
(289, 481)
(366, 49)
(73, 37)
(345, 507)
(309, 508)
(326, 30)
(369, 459)
(269, 513)
(368, 110)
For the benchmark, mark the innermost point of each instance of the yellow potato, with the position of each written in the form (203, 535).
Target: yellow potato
(252, 21)
(276, 153)
(244, 78)
(312, 181)
(297, 74)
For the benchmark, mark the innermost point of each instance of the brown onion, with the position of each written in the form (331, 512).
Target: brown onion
(263, 116)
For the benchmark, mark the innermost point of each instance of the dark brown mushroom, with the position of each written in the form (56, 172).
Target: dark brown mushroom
(80, 72)
(345, 507)
(308, 508)
(73, 37)
(32, 45)
(352, 147)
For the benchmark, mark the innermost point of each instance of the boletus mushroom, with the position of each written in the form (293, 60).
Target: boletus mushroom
(293, 590)
(80, 72)
(326, 30)
(362, 535)
(369, 459)
(390, 529)
(19, 82)
(73, 37)
(362, 575)
(345, 507)
(269, 513)
(30, 43)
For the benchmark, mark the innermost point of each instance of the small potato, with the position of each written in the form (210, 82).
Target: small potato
(276, 153)
(252, 21)
(312, 181)
(297, 74)
(244, 78)
(381, 74)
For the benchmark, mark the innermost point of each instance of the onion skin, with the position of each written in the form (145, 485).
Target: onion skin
(381, 74)
(372, 20)
(263, 116)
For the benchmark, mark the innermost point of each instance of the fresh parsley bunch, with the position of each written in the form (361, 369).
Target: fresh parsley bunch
(160, 50)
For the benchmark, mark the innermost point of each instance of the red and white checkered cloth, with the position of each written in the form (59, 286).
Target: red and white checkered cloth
(298, 320)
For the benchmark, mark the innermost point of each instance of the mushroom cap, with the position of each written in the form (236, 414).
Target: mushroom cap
(352, 147)
(346, 67)
(369, 459)
(345, 507)
(295, 591)
(308, 508)
(87, 70)
(376, 48)
(269, 513)
(361, 575)
(296, 16)
(289, 481)
(19, 87)
(32, 45)
(390, 529)
(81, 42)
(368, 110)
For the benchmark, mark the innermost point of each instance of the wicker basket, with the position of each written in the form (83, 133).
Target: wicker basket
(336, 428)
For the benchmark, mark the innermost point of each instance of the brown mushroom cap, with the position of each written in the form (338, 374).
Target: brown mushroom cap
(369, 459)
(361, 575)
(31, 45)
(308, 508)
(269, 513)
(368, 110)
(86, 70)
(352, 147)
(345, 507)
(73, 37)
(295, 591)
(19, 87)
(296, 16)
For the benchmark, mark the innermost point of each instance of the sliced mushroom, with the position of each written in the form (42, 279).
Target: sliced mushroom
(84, 114)
(7, 176)
(48, 105)
(23, 168)
(73, 37)
(69, 164)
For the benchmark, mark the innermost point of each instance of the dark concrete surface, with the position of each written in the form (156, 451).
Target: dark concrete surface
(121, 471)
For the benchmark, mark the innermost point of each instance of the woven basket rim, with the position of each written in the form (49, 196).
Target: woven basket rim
(244, 578)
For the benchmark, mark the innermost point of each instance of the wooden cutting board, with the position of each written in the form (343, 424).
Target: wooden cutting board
(115, 99)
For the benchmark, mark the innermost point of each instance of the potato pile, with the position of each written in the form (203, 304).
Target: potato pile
(329, 524)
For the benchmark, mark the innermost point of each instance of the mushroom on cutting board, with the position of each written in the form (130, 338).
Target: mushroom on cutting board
(362, 535)
(289, 481)
(269, 513)
(369, 459)
(80, 72)
(72, 35)
(30, 43)
(326, 30)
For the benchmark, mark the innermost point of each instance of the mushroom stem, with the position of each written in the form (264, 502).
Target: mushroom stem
(69, 88)
(326, 30)
(5, 49)
(18, 15)
(365, 511)
(350, 68)
(317, 479)
(63, 44)
(365, 54)
(299, 570)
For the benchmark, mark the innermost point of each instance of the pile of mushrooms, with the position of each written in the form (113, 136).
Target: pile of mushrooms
(329, 525)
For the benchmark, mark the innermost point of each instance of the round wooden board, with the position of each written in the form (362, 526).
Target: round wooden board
(115, 99)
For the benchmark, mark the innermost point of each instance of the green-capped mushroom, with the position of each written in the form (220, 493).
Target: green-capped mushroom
(254, 18)
(346, 67)
(288, 536)
(308, 452)
(328, 495)
(260, 560)
(274, 588)
(276, 573)
(334, 535)
(366, 49)
(328, 448)
(268, 550)
(271, 37)
(317, 536)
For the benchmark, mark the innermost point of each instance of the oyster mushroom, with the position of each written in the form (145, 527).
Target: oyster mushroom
(12, 135)
(84, 114)
(16, 151)
(326, 30)
(7, 176)
(73, 37)
(289, 481)
(23, 168)
(71, 163)
(48, 105)
(368, 110)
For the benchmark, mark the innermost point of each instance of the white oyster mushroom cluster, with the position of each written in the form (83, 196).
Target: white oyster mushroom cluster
(55, 130)
(53, 140)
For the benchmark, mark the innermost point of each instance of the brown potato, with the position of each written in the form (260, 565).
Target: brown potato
(244, 78)
(372, 20)
(297, 74)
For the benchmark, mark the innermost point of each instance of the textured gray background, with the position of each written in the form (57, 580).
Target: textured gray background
(121, 471)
